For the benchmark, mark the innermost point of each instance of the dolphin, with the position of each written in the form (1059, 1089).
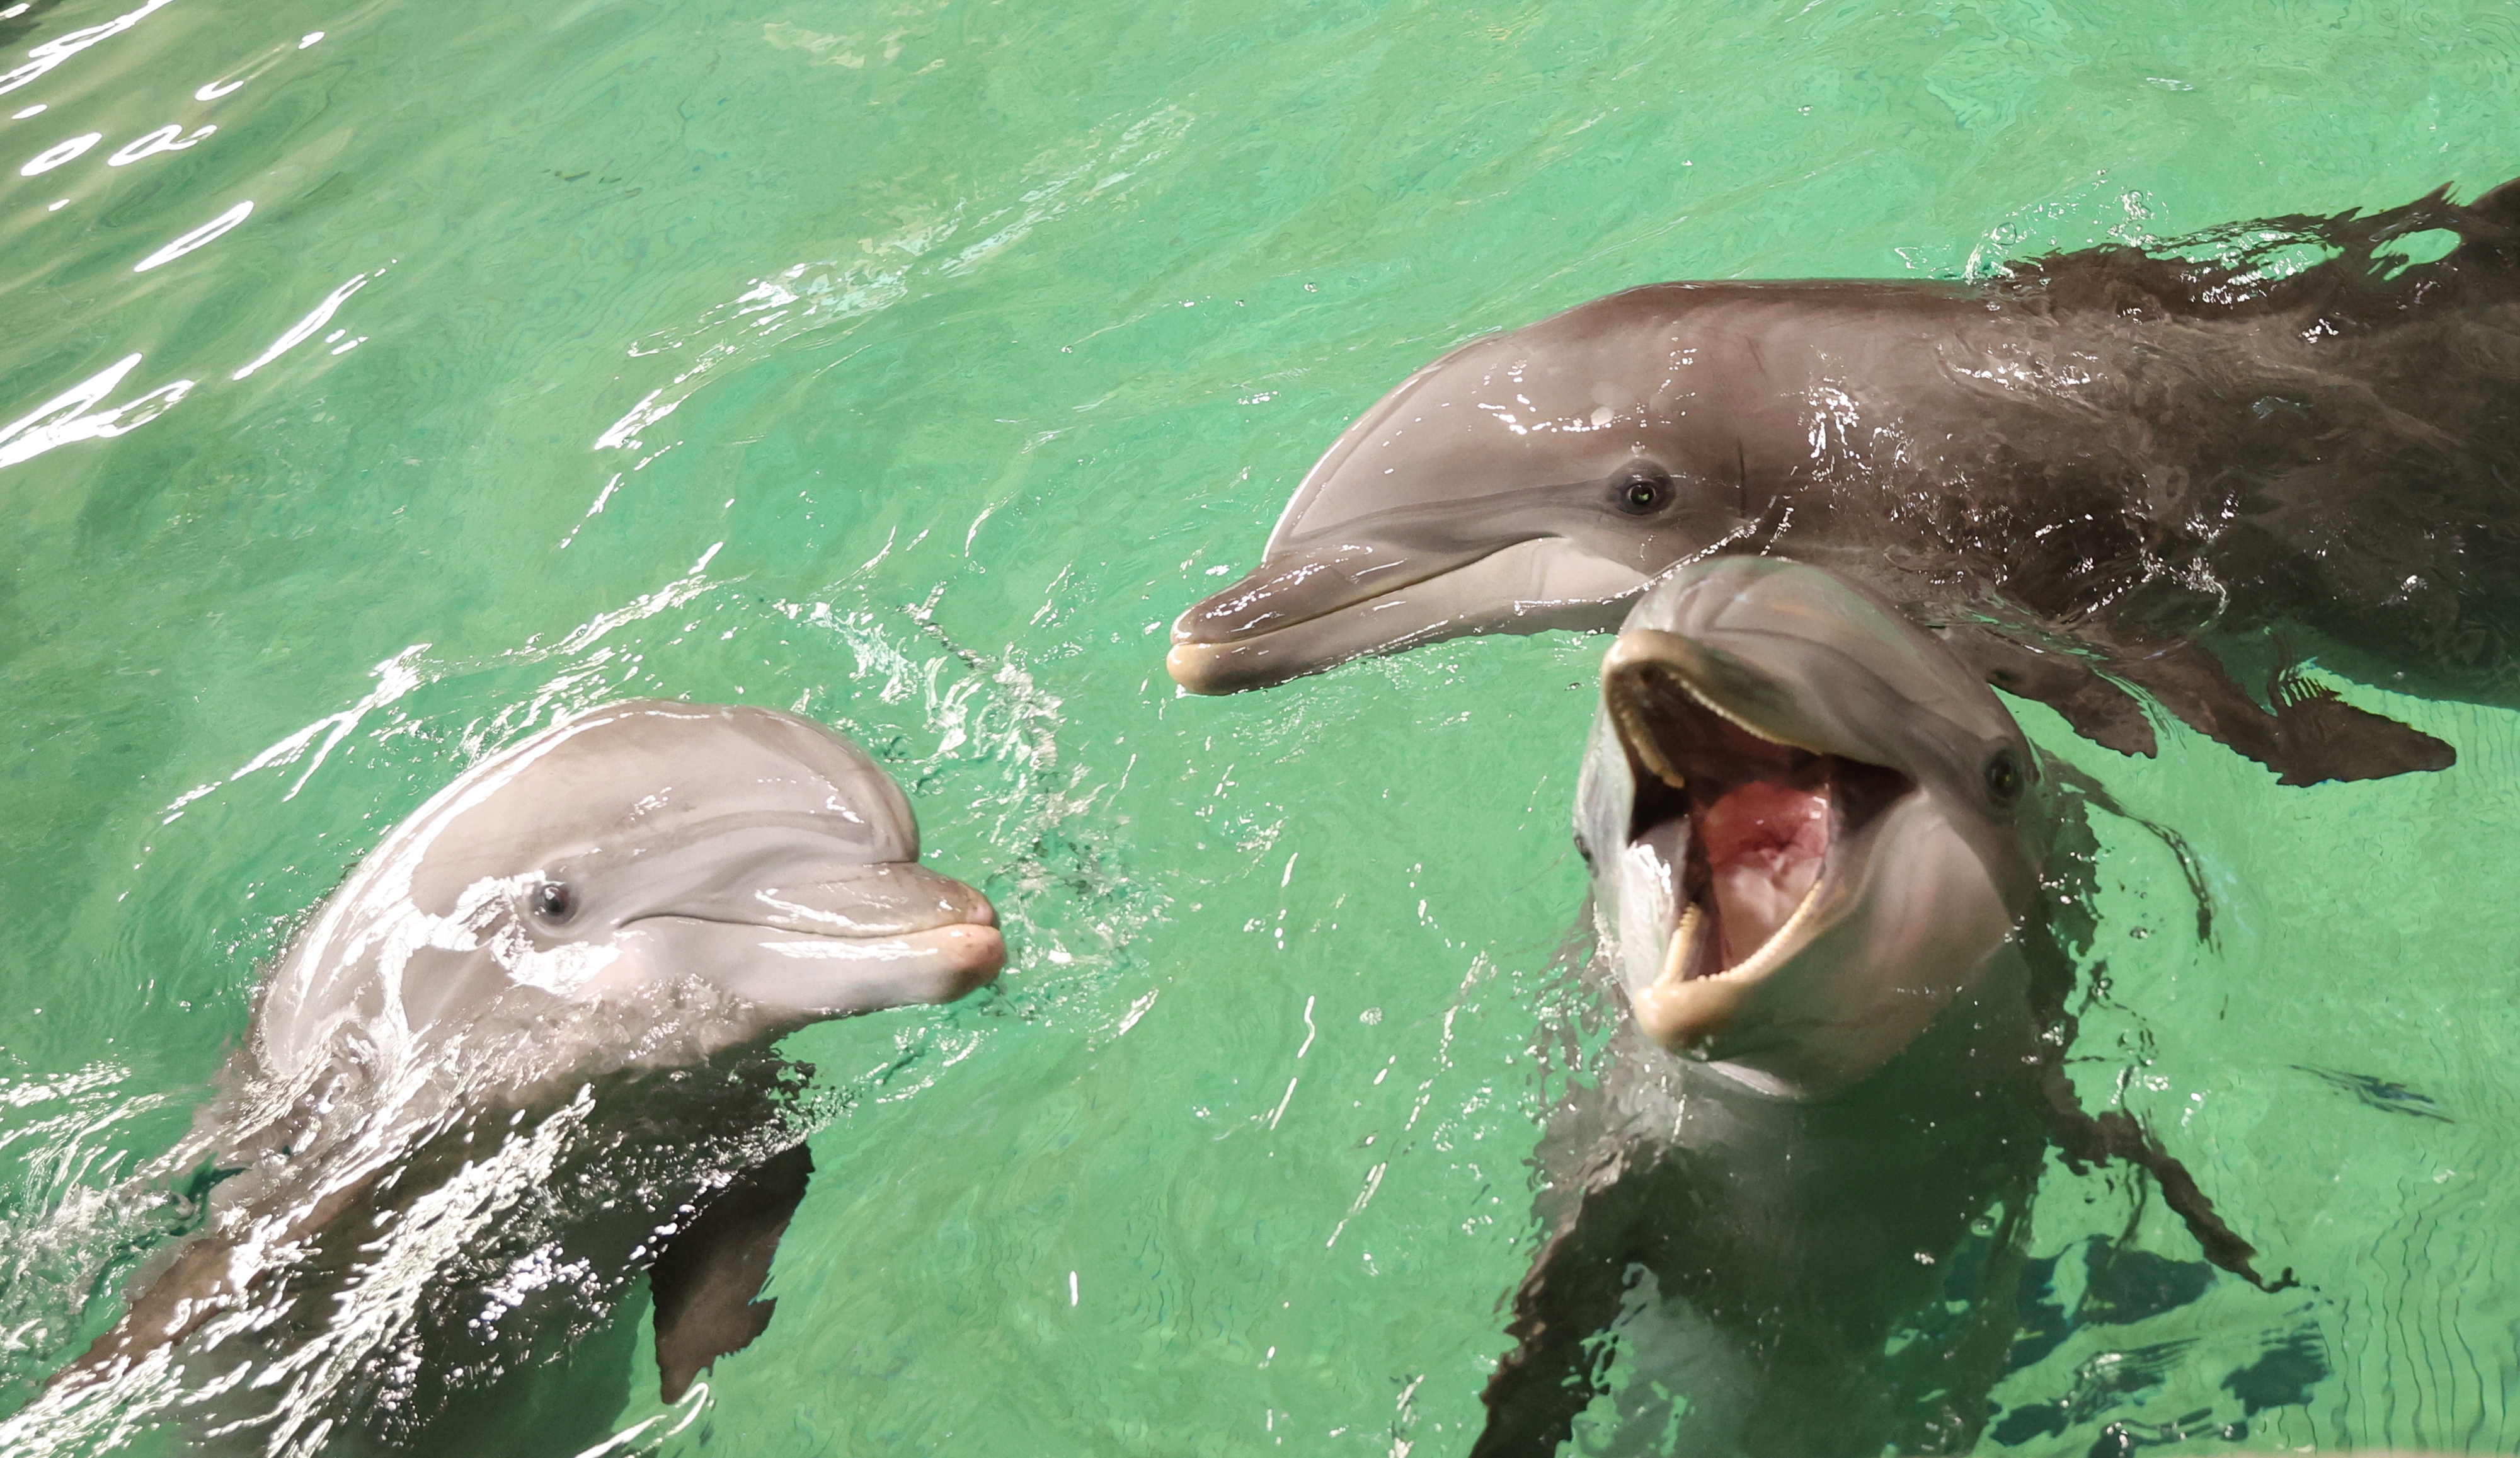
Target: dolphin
(2096, 472)
(1809, 826)
(1840, 895)
(557, 977)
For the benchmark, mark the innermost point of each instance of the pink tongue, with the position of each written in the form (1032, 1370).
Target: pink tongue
(1764, 843)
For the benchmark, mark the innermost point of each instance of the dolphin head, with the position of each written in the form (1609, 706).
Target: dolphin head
(1526, 481)
(1809, 826)
(638, 848)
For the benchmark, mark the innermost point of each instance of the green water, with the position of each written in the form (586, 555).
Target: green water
(912, 366)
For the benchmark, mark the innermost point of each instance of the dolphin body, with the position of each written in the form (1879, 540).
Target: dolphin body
(520, 1056)
(1836, 886)
(2100, 470)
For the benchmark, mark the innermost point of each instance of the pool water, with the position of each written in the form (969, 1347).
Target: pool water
(378, 381)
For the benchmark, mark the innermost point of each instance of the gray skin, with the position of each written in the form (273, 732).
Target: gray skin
(1936, 822)
(1796, 1151)
(2105, 471)
(634, 901)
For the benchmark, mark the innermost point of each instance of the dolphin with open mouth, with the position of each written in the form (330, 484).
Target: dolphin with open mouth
(2098, 471)
(1841, 897)
(1809, 826)
(519, 1058)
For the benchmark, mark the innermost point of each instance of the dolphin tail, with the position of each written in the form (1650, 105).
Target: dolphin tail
(705, 1281)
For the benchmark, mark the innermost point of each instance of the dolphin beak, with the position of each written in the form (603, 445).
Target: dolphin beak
(1745, 816)
(889, 898)
(824, 940)
(1293, 615)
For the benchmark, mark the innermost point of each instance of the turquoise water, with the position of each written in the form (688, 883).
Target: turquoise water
(912, 366)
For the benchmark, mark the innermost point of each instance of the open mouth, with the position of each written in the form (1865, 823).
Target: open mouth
(1747, 832)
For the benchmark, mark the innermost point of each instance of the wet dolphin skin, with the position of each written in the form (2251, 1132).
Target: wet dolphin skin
(559, 974)
(2098, 470)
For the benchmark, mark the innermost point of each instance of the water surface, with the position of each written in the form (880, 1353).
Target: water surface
(377, 382)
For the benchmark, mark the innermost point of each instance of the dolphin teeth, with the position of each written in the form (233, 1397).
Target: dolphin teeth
(1683, 940)
(1641, 743)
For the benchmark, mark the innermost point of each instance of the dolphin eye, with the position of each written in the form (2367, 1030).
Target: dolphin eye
(2004, 778)
(553, 901)
(1641, 493)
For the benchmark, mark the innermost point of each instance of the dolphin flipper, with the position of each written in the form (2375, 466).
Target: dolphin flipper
(705, 1281)
(2099, 709)
(1572, 1294)
(2325, 738)
(2085, 1139)
(2310, 735)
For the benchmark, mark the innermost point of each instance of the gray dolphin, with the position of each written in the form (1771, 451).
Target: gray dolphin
(1842, 895)
(1809, 826)
(626, 902)
(2101, 469)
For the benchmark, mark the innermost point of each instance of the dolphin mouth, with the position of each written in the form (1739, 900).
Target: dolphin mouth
(796, 977)
(1256, 633)
(1755, 840)
(816, 897)
(806, 935)
(1246, 638)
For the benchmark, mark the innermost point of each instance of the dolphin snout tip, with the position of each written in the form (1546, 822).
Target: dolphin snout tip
(971, 954)
(1206, 668)
(1187, 666)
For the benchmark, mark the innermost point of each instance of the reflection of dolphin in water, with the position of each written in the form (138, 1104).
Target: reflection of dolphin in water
(2101, 469)
(1824, 858)
(621, 905)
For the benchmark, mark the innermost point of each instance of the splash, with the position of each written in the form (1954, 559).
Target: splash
(1057, 871)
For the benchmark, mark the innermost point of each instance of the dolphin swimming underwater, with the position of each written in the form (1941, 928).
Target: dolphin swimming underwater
(2099, 470)
(1837, 888)
(520, 1055)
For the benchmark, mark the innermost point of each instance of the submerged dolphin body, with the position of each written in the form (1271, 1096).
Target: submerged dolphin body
(597, 930)
(1837, 888)
(2101, 469)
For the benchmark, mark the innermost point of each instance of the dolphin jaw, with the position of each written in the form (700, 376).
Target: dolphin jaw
(1527, 586)
(1697, 759)
(826, 940)
(814, 887)
(795, 978)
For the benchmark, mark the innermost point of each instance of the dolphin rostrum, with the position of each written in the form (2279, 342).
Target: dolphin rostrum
(1840, 892)
(2096, 470)
(630, 904)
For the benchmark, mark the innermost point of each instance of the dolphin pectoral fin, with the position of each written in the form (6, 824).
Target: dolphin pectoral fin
(705, 1281)
(196, 1287)
(1572, 1291)
(2099, 709)
(2085, 1139)
(2309, 736)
